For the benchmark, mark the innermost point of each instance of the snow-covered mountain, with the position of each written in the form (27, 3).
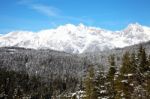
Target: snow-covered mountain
(77, 39)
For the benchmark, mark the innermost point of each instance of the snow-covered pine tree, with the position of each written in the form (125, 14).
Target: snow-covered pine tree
(100, 82)
(110, 76)
(142, 59)
(90, 84)
(123, 84)
(147, 79)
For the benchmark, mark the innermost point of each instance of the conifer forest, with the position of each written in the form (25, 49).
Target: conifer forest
(28, 74)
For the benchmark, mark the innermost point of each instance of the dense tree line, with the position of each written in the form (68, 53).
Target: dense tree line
(38, 73)
(16, 85)
(46, 74)
(130, 81)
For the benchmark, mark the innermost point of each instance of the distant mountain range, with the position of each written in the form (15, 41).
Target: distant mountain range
(77, 39)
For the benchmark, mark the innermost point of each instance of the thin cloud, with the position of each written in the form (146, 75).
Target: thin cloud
(55, 12)
(47, 10)
(41, 8)
(52, 11)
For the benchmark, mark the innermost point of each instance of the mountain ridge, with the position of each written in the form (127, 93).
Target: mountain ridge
(77, 38)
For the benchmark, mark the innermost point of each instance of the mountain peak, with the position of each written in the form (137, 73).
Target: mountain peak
(69, 25)
(81, 25)
(134, 25)
(77, 38)
(66, 27)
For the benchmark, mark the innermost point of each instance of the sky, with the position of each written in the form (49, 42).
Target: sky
(35, 15)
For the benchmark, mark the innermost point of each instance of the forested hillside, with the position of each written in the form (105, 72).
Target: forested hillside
(46, 74)
(130, 81)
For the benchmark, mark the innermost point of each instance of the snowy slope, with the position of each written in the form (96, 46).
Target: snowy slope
(77, 39)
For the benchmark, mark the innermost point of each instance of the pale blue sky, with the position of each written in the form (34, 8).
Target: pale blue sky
(35, 15)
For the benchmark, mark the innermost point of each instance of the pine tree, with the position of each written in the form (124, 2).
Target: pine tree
(140, 79)
(142, 66)
(133, 63)
(126, 64)
(100, 83)
(147, 79)
(112, 68)
(123, 82)
(90, 84)
(110, 77)
(142, 59)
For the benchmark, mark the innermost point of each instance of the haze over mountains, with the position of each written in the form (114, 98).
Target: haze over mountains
(77, 39)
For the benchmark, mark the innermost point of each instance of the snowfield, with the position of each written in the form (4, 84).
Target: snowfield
(77, 39)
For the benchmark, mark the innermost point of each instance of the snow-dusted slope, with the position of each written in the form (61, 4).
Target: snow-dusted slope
(77, 39)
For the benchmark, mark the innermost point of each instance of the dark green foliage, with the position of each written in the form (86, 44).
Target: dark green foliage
(110, 76)
(19, 84)
(101, 83)
(90, 84)
(111, 60)
(126, 64)
(112, 69)
(142, 59)
(133, 63)
(123, 81)
(130, 81)
(133, 80)
(13, 83)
